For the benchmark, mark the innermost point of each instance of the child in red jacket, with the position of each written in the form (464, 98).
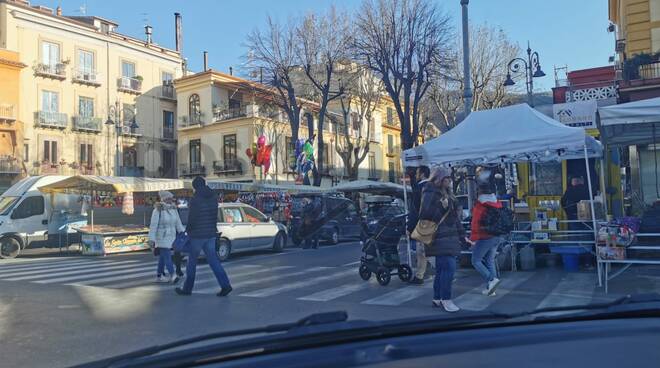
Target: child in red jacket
(484, 244)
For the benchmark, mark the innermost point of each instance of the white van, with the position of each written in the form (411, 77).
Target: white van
(27, 216)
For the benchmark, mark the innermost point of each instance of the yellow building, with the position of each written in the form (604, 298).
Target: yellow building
(11, 128)
(391, 144)
(638, 25)
(92, 100)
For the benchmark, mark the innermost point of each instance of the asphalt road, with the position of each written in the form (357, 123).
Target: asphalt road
(59, 311)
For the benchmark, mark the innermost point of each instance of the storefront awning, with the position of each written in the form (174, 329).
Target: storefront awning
(117, 184)
(260, 187)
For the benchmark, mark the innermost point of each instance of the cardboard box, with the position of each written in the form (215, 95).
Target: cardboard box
(584, 211)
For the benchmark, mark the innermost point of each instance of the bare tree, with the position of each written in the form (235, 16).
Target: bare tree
(362, 95)
(273, 54)
(490, 50)
(324, 48)
(403, 42)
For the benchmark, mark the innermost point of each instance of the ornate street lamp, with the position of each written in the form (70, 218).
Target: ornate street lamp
(114, 118)
(532, 69)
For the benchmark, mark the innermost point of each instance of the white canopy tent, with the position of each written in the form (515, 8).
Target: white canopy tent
(370, 186)
(516, 133)
(630, 123)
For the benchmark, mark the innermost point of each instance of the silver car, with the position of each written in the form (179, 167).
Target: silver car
(243, 227)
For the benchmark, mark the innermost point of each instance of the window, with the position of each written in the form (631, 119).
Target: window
(254, 216)
(390, 116)
(193, 108)
(372, 165)
(229, 149)
(167, 78)
(85, 62)
(546, 178)
(31, 206)
(50, 101)
(26, 152)
(50, 151)
(390, 144)
(130, 157)
(289, 153)
(392, 172)
(372, 129)
(50, 53)
(232, 215)
(86, 107)
(195, 149)
(326, 156)
(168, 163)
(127, 69)
(86, 154)
(355, 121)
(105, 28)
(128, 113)
(168, 124)
(234, 104)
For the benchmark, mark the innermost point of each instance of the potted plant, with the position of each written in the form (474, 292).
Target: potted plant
(138, 78)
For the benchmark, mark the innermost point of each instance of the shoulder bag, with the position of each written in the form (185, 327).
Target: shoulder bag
(425, 230)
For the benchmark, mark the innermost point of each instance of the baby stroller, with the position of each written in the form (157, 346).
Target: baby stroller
(381, 250)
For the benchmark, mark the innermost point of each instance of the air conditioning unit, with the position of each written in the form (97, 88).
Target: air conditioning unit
(620, 45)
(126, 130)
(618, 74)
(125, 82)
(90, 77)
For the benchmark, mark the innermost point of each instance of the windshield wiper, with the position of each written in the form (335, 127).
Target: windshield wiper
(312, 320)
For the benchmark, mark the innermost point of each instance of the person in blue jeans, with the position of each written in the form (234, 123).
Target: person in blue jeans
(202, 230)
(165, 224)
(484, 244)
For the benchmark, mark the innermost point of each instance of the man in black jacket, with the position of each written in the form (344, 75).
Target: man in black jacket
(311, 213)
(575, 193)
(202, 230)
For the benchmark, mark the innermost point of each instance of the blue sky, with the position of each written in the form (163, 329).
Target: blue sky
(564, 32)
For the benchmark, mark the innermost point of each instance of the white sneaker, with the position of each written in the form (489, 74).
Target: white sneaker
(449, 306)
(492, 285)
(161, 279)
(170, 279)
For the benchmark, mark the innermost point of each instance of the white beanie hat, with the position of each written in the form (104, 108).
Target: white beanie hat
(440, 173)
(165, 195)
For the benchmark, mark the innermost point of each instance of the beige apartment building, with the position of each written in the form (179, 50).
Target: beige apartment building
(92, 100)
(220, 116)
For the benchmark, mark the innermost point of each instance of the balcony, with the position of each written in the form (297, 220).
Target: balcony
(54, 70)
(227, 167)
(167, 91)
(228, 114)
(393, 151)
(168, 133)
(190, 121)
(132, 171)
(194, 169)
(129, 131)
(88, 77)
(7, 113)
(9, 165)
(129, 85)
(87, 124)
(48, 168)
(50, 119)
(86, 170)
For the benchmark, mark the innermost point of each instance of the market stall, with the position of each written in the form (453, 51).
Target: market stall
(119, 196)
(510, 134)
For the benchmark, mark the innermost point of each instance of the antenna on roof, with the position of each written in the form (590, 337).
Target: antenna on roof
(82, 9)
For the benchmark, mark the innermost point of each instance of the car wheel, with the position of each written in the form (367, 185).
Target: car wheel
(9, 247)
(334, 236)
(365, 274)
(279, 242)
(405, 273)
(223, 249)
(383, 276)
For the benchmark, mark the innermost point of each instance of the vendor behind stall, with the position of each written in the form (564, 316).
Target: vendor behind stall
(575, 193)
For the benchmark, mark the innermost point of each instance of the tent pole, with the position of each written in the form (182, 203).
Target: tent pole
(593, 212)
(405, 201)
(603, 194)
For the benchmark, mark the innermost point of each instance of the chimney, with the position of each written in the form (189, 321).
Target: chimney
(58, 11)
(177, 33)
(206, 60)
(231, 71)
(148, 30)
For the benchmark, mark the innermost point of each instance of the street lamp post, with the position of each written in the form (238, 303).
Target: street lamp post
(532, 68)
(115, 118)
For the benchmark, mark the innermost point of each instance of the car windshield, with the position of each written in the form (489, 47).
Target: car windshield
(6, 203)
(225, 165)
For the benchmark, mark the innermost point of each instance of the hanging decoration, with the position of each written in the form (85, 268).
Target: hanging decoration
(127, 206)
(259, 154)
(304, 159)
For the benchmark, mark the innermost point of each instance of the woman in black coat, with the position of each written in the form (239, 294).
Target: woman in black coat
(441, 206)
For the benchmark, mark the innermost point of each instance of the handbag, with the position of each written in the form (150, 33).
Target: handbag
(425, 230)
(181, 243)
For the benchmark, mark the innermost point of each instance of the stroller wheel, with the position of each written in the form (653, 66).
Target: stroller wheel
(383, 276)
(365, 274)
(405, 273)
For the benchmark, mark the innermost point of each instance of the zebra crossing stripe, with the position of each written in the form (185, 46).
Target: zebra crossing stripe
(57, 270)
(573, 289)
(40, 266)
(334, 293)
(241, 284)
(18, 262)
(116, 270)
(474, 300)
(146, 282)
(116, 278)
(400, 296)
(262, 293)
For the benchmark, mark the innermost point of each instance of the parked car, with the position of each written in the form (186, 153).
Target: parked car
(243, 228)
(341, 220)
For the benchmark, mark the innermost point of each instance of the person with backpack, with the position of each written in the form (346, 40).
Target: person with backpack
(440, 213)
(489, 222)
(165, 224)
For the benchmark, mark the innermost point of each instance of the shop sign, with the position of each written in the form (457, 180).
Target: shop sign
(579, 114)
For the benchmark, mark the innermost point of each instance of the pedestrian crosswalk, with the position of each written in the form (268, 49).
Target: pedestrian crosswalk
(311, 284)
